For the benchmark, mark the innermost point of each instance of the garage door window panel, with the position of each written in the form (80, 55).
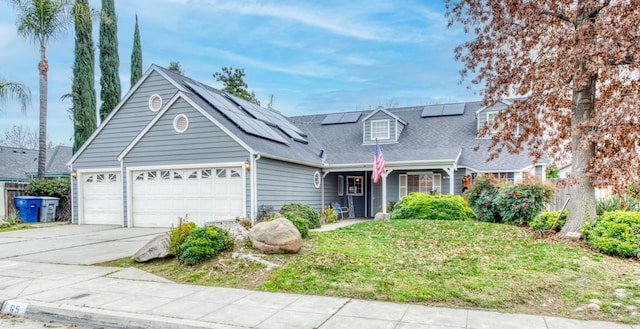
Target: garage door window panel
(221, 173)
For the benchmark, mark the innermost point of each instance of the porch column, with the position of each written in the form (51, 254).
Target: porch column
(451, 172)
(385, 173)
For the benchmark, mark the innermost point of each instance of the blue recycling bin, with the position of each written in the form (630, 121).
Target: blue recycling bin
(28, 208)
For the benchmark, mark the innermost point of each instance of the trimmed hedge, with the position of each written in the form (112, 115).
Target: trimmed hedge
(615, 233)
(299, 223)
(436, 207)
(303, 211)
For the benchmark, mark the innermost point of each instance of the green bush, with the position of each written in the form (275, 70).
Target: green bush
(177, 234)
(328, 215)
(480, 197)
(507, 203)
(304, 211)
(58, 188)
(203, 243)
(615, 233)
(437, 207)
(520, 203)
(544, 220)
(299, 223)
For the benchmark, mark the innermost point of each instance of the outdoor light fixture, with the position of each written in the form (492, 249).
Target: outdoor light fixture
(247, 165)
(74, 173)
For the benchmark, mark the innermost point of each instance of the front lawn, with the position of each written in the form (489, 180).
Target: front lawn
(439, 263)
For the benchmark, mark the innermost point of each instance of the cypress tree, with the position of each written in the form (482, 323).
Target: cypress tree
(136, 56)
(109, 61)
(83, 92)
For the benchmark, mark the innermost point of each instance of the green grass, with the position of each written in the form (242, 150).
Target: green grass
(15, 227)
(439, 263)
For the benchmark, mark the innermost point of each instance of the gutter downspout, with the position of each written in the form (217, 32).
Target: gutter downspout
(254, 186)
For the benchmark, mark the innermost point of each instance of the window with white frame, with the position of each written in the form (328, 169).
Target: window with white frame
(340, 185)
(428, 183)
(379, 129)
(491, 122)
(354, 185)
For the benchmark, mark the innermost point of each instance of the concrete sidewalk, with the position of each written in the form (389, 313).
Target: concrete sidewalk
(130, 298)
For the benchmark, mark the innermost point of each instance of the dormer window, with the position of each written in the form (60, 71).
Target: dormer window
(379, 129)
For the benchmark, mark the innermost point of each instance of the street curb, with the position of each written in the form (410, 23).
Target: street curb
(109, 319)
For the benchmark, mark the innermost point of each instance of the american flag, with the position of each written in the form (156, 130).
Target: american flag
(378, 164)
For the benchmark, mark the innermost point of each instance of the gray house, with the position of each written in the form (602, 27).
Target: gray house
(174, 146)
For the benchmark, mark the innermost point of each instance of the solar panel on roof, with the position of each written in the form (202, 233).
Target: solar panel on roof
(432, 111)
(237, 116)
(296, 137)
(453, 109)
(270, 117)
(350, 117)
(332, 118)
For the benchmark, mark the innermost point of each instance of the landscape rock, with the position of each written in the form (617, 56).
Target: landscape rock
(593, 307)
(255, 259)
(158, 247)
(381, 216)
(621, 293)
(236, 231)
(631, 308)
(595, 301)
(276, 237)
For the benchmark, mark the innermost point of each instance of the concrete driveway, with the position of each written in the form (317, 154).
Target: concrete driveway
(74, 244)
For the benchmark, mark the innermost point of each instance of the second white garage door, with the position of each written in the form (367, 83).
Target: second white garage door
(159, 197)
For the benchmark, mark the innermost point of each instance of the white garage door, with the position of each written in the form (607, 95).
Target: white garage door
(204, 194)
(102, 198)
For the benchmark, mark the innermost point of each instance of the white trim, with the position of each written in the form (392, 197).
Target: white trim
(130, 179)
(340, 185)
(503, 101)
(316, 176)
(151, 101)
(308, 164)
(79, 181)
(175, 123)
(153, 68)
(388, 124)
(381, 109)
(180, 95)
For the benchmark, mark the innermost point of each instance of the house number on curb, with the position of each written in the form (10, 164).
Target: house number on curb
(14, 308)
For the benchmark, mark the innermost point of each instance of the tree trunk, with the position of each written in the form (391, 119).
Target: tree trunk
(582, 202)
(43, 68)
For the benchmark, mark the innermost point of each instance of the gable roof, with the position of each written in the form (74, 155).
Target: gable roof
(381, 109)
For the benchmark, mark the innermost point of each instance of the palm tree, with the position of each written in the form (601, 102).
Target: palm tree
(40, 21)
(15, 91)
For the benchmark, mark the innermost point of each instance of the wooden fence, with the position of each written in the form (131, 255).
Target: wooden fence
(9, 190)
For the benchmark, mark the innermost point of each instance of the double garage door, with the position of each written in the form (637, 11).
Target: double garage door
(159, 197)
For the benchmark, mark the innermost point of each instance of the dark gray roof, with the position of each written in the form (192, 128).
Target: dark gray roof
(424, 140)
(21, 164)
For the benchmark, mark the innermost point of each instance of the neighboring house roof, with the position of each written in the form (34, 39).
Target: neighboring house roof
(22, 164)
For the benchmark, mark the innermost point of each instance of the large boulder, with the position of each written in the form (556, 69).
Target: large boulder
(381, 216)
(236, 231)
(158, 247)
(276, 237)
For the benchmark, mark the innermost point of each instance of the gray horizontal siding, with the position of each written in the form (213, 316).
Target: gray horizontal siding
(130, 119)
(392, 128)
(281, 183)
(202, 142)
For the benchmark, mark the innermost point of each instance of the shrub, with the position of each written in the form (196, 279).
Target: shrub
(203, 243)
(58, 188)
(244, 222)
(615, 203)
(304, 211)
(437, 207)
(545, 220)
(328, 215)
(177, 234)
(299, 223)
(480, 197)
(521, 203)
(614, 233)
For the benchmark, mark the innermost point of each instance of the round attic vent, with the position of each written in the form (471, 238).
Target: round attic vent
(180, 123)
(155, 102)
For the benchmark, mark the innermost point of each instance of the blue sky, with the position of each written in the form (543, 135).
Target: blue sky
(312, 56)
